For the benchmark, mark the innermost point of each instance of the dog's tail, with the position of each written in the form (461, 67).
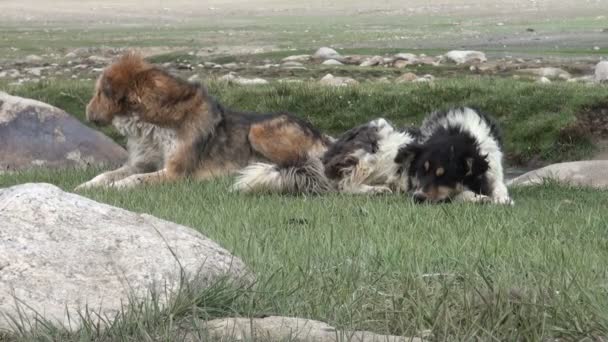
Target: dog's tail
(304, 176)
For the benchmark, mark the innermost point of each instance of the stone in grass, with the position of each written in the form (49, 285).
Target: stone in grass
(601, 72)
(61, 253)
(35, 134)
(326, 53)
(333, 81)
(277, 328)
(332, 62)
(586, 173)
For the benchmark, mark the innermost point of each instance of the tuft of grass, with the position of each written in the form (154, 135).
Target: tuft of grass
(531, 272)
(540, 122)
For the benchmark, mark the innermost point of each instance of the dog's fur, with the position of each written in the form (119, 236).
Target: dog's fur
(459, 157)
(361, 161)
(175, 129)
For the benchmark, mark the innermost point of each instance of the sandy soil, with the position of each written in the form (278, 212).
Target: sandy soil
(180, 10)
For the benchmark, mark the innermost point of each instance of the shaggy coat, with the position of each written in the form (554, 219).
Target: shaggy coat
(361, 161)
(175, 129)
(459, 158)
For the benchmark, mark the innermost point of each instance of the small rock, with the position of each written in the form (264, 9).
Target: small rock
(231, 66)
(71, 55)
(548, 72)
(297, 58)
(332, 62)
(194, 78)
(500, 24)
(98, 59)
(291, 64)
(406, 57)
(376, 60)
(331, 80)
(234, 78)
(209, 64)
(34, 71)
(401, 63)
(464, 57)
(406, 78)
(601, 72)
(543, 80)
(596, 48)
(326, 53)
(33, 58)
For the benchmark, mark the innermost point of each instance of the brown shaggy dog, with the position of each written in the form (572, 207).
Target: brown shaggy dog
(176, 129)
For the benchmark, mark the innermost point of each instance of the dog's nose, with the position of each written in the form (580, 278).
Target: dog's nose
(419, 197)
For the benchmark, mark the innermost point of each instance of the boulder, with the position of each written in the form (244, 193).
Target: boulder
(277, 328)
(401, 63)
(589, 173)
(61, 254)
(331, 80)
(466, 57)
(601, 72)
(326, 53)
(35, 134)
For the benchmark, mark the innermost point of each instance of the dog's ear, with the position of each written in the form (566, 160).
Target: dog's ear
(335, 168)
(476, 166)
(407, 154)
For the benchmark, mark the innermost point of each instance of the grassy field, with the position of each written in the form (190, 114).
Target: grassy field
(529, 273)
(383, 263)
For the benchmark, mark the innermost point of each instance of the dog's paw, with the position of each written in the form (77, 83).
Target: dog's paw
(481, 199)
(96, 182)
(504, 200)
(126, 183)
(381, 190)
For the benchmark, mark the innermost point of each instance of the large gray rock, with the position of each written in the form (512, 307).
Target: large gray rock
(60, 252)
(337, 81)
(601, 72)
(276, 328)
(590, 173)
(35, 134)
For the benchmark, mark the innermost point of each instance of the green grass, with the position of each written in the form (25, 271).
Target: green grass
(528, 273)
(539, 121)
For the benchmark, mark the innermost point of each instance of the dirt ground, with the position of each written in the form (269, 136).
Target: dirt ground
(180, 10)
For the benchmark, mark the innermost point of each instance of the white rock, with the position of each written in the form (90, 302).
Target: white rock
(61, 253)
(406, 57)
(231, 66)
(297, 58)
(291, 64)
(467, 56)
(332, 62)
(33, 58)
(194, 78)
(601, 72)
(543, 80)
(331, 80)
(596, 48)
(234, 78)
(376, 60)
(407, 77)
(276, 328)
(35, 71)
(548, 72)
(71, 55)
(326, 53)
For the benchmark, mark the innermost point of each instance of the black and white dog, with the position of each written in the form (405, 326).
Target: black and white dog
(455, 156)
(458, 158)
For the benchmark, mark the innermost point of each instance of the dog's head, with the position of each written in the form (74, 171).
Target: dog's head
(116, 90)
(441, 168)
